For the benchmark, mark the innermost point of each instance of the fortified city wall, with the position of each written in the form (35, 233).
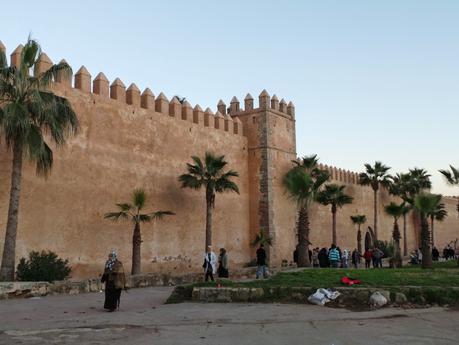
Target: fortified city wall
(130, 139)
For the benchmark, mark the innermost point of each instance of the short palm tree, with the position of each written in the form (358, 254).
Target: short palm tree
(334, 195)
(375, 176)
(396, 211)
(211, 175)
(28, 111)
(132, 211)
(302, 183)
(426, 204)
(439, 214)
(359, 219)
(452, 177)
(262, 238)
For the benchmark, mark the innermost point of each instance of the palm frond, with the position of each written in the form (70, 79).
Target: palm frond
(115, 216)
(160, 214)
(139, 198)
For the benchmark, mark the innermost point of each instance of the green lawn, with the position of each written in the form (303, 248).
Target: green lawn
(444, 274)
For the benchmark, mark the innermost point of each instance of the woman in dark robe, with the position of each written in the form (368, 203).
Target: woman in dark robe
(114, 280)
(223, 264)
(323, 258)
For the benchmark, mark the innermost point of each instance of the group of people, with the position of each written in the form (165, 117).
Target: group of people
(448, 254)
(336, 258)
(210, 264)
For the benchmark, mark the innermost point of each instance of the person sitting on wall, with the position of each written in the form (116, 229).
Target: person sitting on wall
(334, 257)
(315, 257)
(114, 280)
(223, 264)
(261, 262)
(414, 258)
(210, 264)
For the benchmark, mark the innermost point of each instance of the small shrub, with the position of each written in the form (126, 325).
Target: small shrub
(44, 266)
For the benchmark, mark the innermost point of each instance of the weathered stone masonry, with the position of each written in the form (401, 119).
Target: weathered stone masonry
(130, 139)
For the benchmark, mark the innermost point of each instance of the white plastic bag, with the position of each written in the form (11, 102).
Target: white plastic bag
(322, 296)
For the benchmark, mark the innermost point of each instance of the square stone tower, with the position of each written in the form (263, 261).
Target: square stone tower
(270, 130)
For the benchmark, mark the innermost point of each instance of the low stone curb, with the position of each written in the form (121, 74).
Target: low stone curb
(37, 289)
(349, 296)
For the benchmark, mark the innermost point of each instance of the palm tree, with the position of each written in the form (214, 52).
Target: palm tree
(132, 211)
(359, 219)
(302, 183)
(28, 110)
(399, 187)
(263, 239)
(396, 211)
(375, 176)
(209, 174)
(439, 214)
(334, 195)
(426, 204)
(452, 177)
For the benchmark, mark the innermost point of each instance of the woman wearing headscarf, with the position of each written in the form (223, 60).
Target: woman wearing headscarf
(114, 280)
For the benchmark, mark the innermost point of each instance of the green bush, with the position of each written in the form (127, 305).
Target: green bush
(44, 266)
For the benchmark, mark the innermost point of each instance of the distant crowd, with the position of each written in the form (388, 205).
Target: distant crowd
(335, 257)
(449, 253)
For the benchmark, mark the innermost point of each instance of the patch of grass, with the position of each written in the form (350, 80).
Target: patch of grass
(444, 274)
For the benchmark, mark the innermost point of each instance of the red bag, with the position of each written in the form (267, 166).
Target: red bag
(349, 281)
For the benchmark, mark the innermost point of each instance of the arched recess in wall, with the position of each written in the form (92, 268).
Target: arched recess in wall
(368, 240)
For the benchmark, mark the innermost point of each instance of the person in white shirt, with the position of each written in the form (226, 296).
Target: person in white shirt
(210, 264)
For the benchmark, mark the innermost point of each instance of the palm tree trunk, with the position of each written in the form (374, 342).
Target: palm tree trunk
(425, 243)
(396, 236)
(136, 242)
(359, 240)
(210, 199)
(334, 225)
(303, 238)
(375, 209)
(405, 244)
(432, 231)
(9, 247)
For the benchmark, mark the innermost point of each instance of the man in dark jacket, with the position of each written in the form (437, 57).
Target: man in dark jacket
(261, 262)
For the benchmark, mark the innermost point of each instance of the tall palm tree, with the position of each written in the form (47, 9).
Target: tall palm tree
(28, 110)
(439, 214)
(302, 183)
(359, 219)
(396, 211)
(399, 187)
(375, 176)
(334, 195)
(132, 211)
(426, 204)
(452, 177)
(209, 174)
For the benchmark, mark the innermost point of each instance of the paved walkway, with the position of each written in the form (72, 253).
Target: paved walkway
(79, 319)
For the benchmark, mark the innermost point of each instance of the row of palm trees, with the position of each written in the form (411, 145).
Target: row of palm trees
(305, 183)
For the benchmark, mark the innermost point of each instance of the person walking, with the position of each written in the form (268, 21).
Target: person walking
(323, 258)
(377, 257)
(334, 257)
(368, 257)
(345, 259)
(210, 264)
(315, 257)
(223, 264)
(261, 262)
(355, 257)
(114, 280)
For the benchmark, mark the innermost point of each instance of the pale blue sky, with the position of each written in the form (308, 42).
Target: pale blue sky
(371, 80)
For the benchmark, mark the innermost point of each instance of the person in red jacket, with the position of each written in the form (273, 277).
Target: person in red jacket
(367, 255)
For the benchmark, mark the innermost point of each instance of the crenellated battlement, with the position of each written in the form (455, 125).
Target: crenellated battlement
(101, 88)
(265, 101)
(341, 175)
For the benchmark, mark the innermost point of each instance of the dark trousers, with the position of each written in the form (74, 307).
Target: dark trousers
(112, 296)
(367, 263)
(210, 274)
